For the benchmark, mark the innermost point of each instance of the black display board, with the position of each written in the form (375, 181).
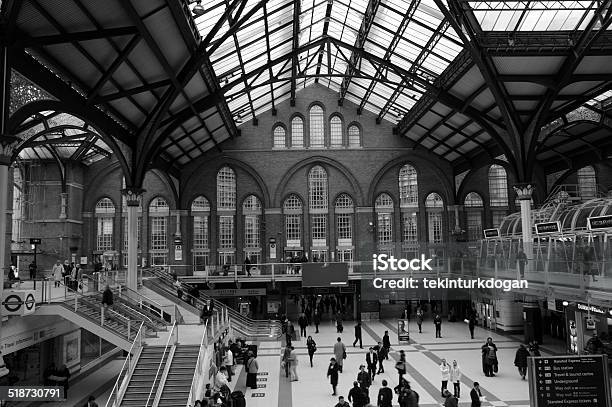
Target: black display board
(569, 381)
(324, 274)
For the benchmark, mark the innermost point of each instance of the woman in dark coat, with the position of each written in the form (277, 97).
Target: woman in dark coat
(520, 360)
(489, 357)
(332, 373)
(312, 348)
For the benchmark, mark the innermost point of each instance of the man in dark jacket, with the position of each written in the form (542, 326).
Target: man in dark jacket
(520, 360)
(317, 320)
(365, 381)
(358, 335)
(380, 353)
(385, 396)
(438, 324)
(472, 324)
(450, 400)
(475, 395)
(371, 359)
(303, 323)
(356, 396)
(386, 344)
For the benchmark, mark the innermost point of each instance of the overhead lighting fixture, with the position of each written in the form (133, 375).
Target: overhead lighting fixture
(198, 9)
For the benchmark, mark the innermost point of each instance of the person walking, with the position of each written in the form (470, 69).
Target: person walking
(371, 359)
(380, 353)
(438, 324)
(293, 363)
(228, 362)
(386, 344)
(521, 258)
(303, 323)
(107, 301)
(57, 273)
(311, 345)
(32, 267)
(316, 319)
(385, 396)
(450, 400)
(475, 395)
(339, 353)
(285, 359)
(356, 396)
(520, 360)
(365, 381)
(419, 318)
(445, 370)
(489, 357)
(332, 374)
(358, 335)
(400, 365)
(455, 377)
(252, 367)
(339, 326)
(472, 324)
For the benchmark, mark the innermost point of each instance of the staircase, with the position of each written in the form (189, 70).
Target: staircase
(180, 376)
(141, 384)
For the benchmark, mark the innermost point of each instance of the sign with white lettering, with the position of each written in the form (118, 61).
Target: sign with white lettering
(236, 292)
(548, 227)
(490, 233)
(599, 222)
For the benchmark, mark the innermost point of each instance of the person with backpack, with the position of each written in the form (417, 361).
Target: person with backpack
(385, 396)
(312, 348)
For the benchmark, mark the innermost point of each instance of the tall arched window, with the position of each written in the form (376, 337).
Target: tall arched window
(344, 211)
(498, 186)
(317, 207)
(587, 182)
(200, 212)
(105, 218)
(226, 210)
(279, 137)
(293, 210)
(251, 210)
(434, 205)
(354, 136)
(474, 207)
(297, 132)
(317, 127)
(408, 186)
(158, 221)
(383, 206)
(335, 131)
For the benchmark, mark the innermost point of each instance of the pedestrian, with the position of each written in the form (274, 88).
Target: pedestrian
(386, 344)
(445, 370)
(342, 403)
(339, 353)
(339, 326)
(380, 353)
(303, 323)
(228, 362)
(534, 348)
(419, 315)
(91, 402)
(358, 335)
(285, 360)
(356, 395)
(455, 377)
(472, 324)
(67, 272)
(371, 360)
(221, 382)
(317, 320)
(405, 314)
(252, 368)
(400, 365)
(312, 348)
(489, 357)
(450, 400)
(438, 324)
(365, 381)
(520, 360)
(64, 374)
(293, 361)
(32, 267)
(521, 258)
(332, 374)
(57, 273)
(476, 395)
(107, 301)
(385, 396)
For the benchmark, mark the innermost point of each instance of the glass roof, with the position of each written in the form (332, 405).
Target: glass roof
(403, 38)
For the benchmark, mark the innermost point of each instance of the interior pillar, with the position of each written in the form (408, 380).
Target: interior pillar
(133, 199)
(524, 195)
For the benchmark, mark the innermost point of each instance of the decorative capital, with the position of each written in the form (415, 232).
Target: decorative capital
(133, 196)
(524, 191)
(8, 144)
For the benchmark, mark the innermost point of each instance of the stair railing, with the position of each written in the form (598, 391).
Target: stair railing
(126, 370)
(174, 337)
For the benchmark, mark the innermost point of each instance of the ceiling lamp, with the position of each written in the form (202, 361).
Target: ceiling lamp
(198, 9)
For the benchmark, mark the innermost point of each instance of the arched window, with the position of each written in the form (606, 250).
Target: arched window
(317, 189)
(408, 186)
(354, 136)
(293, 209)
(297, 132)
(105, 217)
(434, 206)
(251, 210)
(587, 182)
(498, 186)
(474, 206)
(317, 127)
(383, 206)
(335, 132)
(158, 220)
(279, 137)
(200, 212)
(226, 189)
(344, 209)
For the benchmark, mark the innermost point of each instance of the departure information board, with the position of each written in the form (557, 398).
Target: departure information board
(569, 381)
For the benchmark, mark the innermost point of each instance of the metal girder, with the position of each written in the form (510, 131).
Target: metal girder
(564, 134)
(27, 42)
(364, 29)
(324, 34)
(549, 81)
(224, 17)
(295, 45)
(133, 91)
(270, 73)
(236, 26)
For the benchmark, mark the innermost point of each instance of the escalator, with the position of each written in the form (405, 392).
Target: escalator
(178, 382)
(141, 386)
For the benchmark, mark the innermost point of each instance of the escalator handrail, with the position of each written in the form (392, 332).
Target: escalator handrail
(162, 362)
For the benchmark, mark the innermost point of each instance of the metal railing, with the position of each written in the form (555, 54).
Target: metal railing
(174, 336)
(126, 369)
